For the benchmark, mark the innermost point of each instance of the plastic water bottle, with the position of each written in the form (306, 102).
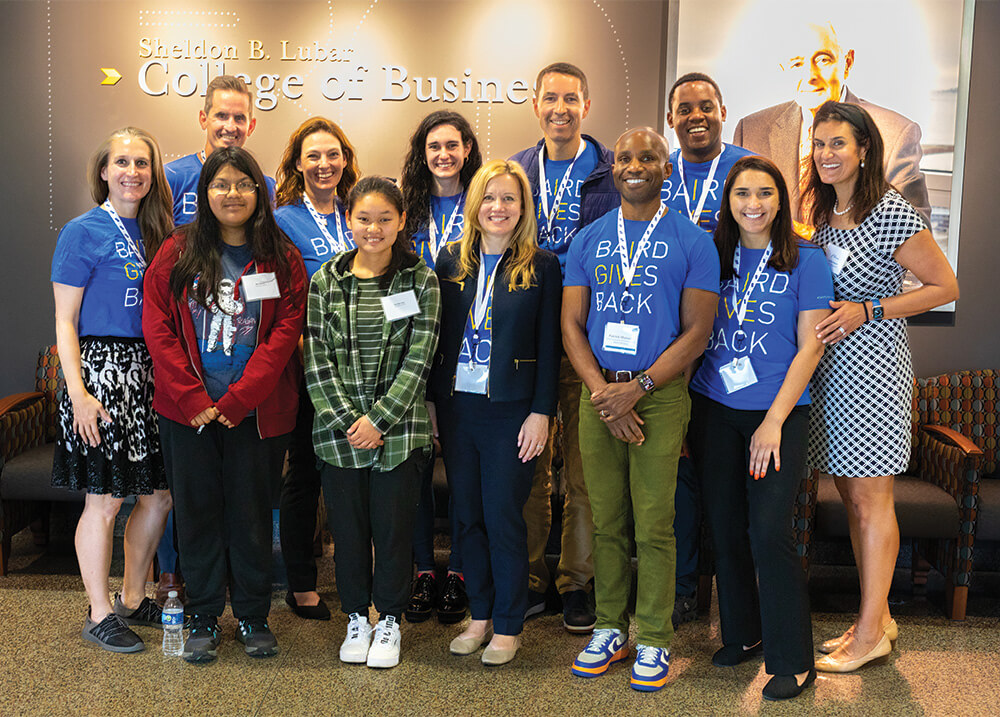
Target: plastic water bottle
(173, 626)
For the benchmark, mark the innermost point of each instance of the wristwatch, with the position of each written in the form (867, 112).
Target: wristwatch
(877, 311)
(645, 381)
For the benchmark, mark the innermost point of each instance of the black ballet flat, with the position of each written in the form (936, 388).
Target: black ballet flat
(308, 612)
(732, 655)
(785, 687)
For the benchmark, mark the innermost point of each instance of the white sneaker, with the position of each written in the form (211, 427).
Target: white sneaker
(359, 636)
(384, 651)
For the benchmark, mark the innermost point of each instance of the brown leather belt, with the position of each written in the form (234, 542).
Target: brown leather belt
(619, 376)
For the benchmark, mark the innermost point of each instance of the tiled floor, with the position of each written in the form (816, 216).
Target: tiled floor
(46, 668)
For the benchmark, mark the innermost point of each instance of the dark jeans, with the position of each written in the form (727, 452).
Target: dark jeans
(365, 507)
(490, 486)
(299, 500)
(224, 482)
(423, 529)
(687, 524)
(762, 586)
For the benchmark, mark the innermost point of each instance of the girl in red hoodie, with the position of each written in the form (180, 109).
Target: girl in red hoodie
(224, 307)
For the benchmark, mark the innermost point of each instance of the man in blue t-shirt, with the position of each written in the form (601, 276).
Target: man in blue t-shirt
(701, 164)
(639, 298)
(571, 183)
(228, 121)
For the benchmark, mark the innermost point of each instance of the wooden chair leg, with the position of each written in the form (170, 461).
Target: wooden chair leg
(956, 599)
(4, 552)
(919, 568)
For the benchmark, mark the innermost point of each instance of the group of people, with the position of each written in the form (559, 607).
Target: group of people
(660, 303)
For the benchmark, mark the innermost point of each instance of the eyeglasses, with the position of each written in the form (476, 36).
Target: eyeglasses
(243, 187)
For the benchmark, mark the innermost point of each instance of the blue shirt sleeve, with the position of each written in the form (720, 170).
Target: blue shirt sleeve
(75, 257)
(576, 272)
(815, 279)
(703, 264)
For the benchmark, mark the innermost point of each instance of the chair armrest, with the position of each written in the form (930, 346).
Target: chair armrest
(949, 466)
(961, 442)
(16, 399)
(22, 423)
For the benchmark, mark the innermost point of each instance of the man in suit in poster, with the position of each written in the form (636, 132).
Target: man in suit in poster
(820, 68)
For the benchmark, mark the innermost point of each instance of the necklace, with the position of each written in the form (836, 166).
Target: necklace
(846, 210)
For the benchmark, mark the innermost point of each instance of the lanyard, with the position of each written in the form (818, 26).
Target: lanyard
(741, 309)
(481, 303)
(336, 245)
(629, 266)
(550, 214)
(129, 241)
(435, 243)
(696, 214)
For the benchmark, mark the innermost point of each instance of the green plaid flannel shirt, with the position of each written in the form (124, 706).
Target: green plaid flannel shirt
(395, 403)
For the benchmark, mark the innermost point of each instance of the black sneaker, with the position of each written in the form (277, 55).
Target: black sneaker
(112, 634)
(578, 611)
(452, 602)
(685, 609)
(536, 604)
(148, 613)
(256, 636)
(422, 598)
(203, 641)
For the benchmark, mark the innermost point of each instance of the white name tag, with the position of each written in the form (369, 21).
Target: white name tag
(621, 338)
(472, 378)
(836, 257)
(401, 305)
(260, 286)
(738, 374)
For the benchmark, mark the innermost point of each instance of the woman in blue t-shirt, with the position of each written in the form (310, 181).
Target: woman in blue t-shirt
(750, 419)
(317, 172)
(443, 156)
(109, 444)
(494, 385)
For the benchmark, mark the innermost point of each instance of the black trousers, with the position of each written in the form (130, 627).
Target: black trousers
(762, 587)
(366, 507)
(299, 500)
(224, 482)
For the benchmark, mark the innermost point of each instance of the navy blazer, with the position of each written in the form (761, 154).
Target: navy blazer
(525, 347)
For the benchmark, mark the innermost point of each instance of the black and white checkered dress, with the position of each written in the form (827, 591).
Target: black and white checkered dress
(862, 390)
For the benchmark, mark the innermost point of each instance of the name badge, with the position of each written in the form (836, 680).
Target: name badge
(260, 286)
(472, 378)
(621, 338)
(401, 305)
(836, 257)
(738, 374)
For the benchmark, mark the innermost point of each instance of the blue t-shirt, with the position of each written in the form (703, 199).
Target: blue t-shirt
(296, 221)
(182, 176)
(92, 253)
(566, 222)
(695, 175)
(476, 345)
(679, 256)
(441, 209)
(770, 325)
(227, 332)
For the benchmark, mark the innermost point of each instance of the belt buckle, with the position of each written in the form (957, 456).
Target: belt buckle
(618, 376)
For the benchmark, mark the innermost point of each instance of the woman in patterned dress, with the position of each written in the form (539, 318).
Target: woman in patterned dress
(860, 423)
(109, 444)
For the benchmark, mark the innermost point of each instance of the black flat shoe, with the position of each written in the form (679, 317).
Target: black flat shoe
(732, 655)
(453, 602)
(422, 598)
(785, 687)
(308, 612)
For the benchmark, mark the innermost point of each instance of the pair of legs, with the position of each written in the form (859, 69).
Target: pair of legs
(224, 482)
(367, 507)
(762, 586)
(94, 539)
(871, 517)
(490, 485)
(576, 558)
(625, 479)
(423, 527)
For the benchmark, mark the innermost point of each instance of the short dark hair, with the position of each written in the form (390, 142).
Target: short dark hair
(230, 83)
(563, 68)
(402, 255)
(692, 77)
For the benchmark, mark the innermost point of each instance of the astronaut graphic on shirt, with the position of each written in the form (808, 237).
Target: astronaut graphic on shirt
(225, 308)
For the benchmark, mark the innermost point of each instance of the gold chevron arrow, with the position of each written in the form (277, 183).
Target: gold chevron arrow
(111, 76)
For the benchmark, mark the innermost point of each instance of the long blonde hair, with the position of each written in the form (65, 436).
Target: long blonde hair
(520, 270)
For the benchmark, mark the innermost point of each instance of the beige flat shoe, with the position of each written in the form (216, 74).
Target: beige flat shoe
(830, 664)
(831, 645)
(467, 645)
(495, 656)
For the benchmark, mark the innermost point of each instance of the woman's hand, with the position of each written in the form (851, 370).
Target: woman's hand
(533, 436)
(205, 417)
(86, 411)
(616, 400)
(224, 421)
(764, 443)
(846, 317)
(362, 434)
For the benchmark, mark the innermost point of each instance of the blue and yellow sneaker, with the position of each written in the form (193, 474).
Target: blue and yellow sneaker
(606, 647)
(649, 672)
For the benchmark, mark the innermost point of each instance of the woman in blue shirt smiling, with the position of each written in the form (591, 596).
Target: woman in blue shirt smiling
(749, 424)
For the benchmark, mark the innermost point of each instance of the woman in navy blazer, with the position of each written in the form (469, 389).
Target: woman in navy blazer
(492, 390)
